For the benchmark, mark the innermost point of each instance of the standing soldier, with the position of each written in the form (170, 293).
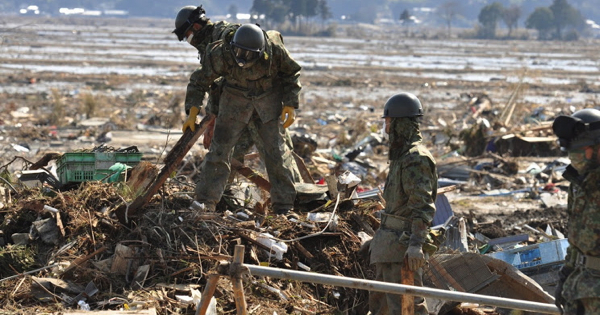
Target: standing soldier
(260, 86)
(409, 193)
(193, 26)
(578, 290)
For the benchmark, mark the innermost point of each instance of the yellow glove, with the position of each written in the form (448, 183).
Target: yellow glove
(288, 115)
(191, 120)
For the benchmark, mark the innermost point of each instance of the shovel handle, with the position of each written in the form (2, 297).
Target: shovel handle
(408, 278)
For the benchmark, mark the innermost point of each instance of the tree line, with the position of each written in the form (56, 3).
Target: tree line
(559, 21)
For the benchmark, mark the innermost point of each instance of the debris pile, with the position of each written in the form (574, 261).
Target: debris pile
(67, 249)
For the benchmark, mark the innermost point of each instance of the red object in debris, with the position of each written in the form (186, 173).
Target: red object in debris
(321, 181)
(551, 187)
(360, 189)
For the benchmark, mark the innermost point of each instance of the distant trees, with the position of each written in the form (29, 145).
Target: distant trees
(405, 16)
(488, 18)
(448, 11)
(324, 11)
(510, 17)
(296, 11)
(565, 15)
(542, 19)
(557, 17)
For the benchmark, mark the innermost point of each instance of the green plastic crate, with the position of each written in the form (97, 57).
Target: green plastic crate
(87, 166)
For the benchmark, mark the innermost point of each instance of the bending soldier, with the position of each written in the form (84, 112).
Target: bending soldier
(260, 86)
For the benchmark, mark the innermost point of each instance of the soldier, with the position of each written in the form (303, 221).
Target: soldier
(192, 25)
(409, 193)
(260, 85)
(578, 289)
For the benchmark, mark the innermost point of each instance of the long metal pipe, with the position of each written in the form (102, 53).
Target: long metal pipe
(387, 287)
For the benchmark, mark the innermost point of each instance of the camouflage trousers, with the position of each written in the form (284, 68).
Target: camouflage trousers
(587, 306)
(245, 143)
(216, 165)
(391, 304)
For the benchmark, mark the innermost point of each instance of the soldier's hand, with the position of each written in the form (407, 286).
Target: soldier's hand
(288, 115)
(209, 132)
(415, 257)
(559, 300)
(191, 120)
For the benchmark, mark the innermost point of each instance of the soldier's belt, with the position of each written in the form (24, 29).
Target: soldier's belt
(588, 261)
(394, 222)
(252, 94)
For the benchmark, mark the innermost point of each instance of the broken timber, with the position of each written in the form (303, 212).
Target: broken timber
(171, 161)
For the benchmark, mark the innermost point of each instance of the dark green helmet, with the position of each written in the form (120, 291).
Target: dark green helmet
(186, 17)
(578, 130)
(248, 44)
(402, 105)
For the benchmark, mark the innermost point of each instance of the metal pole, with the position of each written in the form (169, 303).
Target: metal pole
(387, 287)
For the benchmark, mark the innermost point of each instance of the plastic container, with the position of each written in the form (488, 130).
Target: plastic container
(88, 166)
(277, 248)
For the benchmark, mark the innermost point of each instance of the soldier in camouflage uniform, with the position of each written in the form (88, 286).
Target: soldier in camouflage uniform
(192, 25)
(409, 193)
(578, 290)
(261, 85)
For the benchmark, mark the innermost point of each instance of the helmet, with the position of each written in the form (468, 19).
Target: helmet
(186, 17)
(402, 105)
(578, 130)
(248, 44)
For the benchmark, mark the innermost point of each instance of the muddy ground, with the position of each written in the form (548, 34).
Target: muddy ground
(65, 83)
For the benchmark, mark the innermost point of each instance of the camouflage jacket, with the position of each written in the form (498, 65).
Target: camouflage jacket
(583, 232)
(213, 32)
(409, 193)
(275, 71)
(584, 211)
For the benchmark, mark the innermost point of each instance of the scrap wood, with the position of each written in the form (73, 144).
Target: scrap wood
(251, 240)
(171, 161)
(408, 301)
(41, 163)
(302, 250)
(251, 175)
(361, 222)
(446, 189)
(83, 259)
(29, 272)
(304, 172)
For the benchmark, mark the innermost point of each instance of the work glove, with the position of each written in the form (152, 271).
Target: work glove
(364, 249)
(209, 132)
(191, 120)
(559, 300)
(288, 115)
(414, 257)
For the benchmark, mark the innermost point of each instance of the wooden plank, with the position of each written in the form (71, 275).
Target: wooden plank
(251, 175)
(171, 161)
(304, 172)
(408, 301)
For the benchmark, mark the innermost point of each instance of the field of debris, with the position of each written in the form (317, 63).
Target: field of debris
(71, 85)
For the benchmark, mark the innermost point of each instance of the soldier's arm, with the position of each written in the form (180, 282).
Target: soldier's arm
(201, 79)
(289, 74)
(419, 183)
